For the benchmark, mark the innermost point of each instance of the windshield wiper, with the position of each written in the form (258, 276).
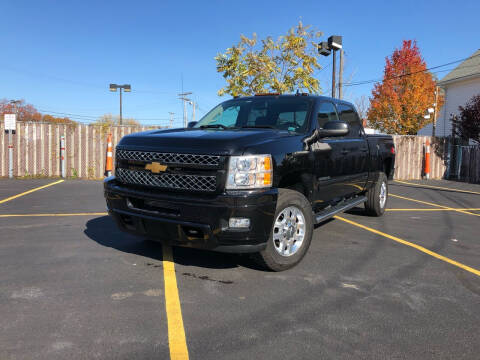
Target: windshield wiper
(213, 126)
(258, 126)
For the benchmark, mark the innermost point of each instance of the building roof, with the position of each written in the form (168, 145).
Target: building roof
(467, 69)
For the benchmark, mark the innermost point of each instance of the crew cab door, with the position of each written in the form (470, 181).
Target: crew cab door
(355, 153)
(328, 160)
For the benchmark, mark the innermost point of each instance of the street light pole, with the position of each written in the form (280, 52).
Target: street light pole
(325, 48)
(127, 88)
(334, 73)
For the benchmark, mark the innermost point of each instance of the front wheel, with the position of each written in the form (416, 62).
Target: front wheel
(291, 233)
(377, 197)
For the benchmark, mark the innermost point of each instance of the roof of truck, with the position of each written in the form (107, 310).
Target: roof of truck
(319, 97)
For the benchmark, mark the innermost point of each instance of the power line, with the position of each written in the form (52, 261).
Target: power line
(93, 117)
(363, 82)
(416, 72)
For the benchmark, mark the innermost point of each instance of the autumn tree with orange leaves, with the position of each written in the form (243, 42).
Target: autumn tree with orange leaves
(27, 112)
(401, 100)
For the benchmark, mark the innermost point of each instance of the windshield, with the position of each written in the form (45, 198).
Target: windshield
(282, 113)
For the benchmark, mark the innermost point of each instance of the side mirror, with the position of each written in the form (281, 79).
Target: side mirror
(191, 124)
(334, 128)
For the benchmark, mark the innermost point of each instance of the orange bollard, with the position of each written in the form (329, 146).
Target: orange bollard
(109, 162)
(427, 159)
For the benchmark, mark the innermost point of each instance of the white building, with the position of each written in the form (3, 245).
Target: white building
(459, 85)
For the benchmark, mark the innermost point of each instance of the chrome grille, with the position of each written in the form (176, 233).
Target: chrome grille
(167, 180)
(169, 158)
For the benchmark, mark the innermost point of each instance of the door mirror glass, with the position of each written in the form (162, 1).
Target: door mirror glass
(334, 128)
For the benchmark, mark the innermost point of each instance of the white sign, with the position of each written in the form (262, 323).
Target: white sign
(10, 121)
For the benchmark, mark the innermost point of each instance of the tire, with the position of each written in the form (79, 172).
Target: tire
(294, 212)
(377, 197)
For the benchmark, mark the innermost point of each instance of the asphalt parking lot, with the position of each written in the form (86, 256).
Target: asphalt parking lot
(404, 286)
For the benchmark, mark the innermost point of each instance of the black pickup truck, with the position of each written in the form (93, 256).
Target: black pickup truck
(254, 175)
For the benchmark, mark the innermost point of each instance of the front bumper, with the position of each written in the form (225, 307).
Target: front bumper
(193, 220)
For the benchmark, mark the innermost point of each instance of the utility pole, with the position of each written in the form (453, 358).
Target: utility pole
(340, 76)
(171, 118)
(435, 112)
(183, 97)
(193, 109)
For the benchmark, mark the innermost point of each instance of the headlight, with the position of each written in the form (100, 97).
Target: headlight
(250, 172)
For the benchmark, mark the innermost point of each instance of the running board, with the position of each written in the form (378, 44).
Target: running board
(344, 206)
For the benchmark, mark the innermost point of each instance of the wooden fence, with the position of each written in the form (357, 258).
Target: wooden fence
(409, 160)
(37, 151)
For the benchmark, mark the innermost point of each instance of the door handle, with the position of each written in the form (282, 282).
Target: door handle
(364, 149)
(345, 152)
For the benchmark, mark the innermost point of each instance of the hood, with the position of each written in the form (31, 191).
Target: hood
(198, 141)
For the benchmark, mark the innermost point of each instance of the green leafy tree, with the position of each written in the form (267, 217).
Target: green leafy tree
(108, 120)
(283, 65)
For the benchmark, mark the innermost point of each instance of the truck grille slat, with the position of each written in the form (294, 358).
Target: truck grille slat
(169, 158)
(167, 181)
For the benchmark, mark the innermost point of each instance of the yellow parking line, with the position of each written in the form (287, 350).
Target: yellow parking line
(176, 333)
(39, 215)
(30, 191)
(447, 209)
(415, 246)
(432, 204)
(438, 187)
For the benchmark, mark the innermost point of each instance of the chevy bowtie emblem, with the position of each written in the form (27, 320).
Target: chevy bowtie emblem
(156, 167)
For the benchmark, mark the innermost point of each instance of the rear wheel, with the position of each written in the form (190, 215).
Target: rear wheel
(377, 197)
(291, 232)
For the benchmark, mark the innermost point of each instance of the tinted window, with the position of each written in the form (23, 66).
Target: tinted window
(226, 116)
(326, 112)
(292, 117)
(347, 114)
(284, 113)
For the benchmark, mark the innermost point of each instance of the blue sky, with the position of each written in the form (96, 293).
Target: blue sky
(61, 55)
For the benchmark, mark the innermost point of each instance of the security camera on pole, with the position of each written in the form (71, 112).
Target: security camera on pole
(333, 44)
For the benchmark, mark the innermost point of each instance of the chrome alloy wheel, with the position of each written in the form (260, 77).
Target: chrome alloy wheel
(383, 195)
(289, 231)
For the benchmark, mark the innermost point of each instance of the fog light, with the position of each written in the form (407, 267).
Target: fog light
(238, 223)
